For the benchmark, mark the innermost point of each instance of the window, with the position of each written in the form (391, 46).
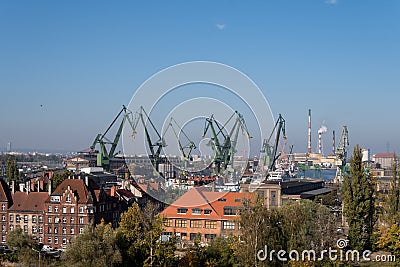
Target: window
(49, 220)
(80, 230)
(182, 211)
(40, 219)
(196, 211)
(230, 210)
(26, 219)
(64, 241)
(207, 212)
(222, 199)
(180, 223)
(168, 222)
(228, 225)
(49, 240)
(211, 224)
(33, 219)
(40, 239)
(56, 230)
(72, 210)
(64, 230)
(81, 210)
(56, 209)
(3, 217)
(56, 240)
(56, 220)
(25, 228)
(34, 229)
(273, 198)
(193, 236)
(3, 207)
(11, 218)
(72, 220)
(81, 220)
(55, 199)
(4, 238)
(237, 200)
(209, 236)
(64, 209)
(49, 209)
(49, 230)
(64, 220)
(11, 227)
(72, 231)
(68, 199)
(40, 230)
(3, 227)
(196, 224)
(17, 218)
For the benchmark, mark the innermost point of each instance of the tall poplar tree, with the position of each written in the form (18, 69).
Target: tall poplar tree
(359, 203)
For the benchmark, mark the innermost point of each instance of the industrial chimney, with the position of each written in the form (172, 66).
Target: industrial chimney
(309, 131)
(333, 142)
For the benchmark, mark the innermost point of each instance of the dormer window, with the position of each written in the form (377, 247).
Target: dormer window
(182, 210)
(196, 211)
(68, 199)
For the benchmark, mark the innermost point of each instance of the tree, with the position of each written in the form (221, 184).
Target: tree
(139, 238)
(17, 239)
(12, 169)
(359, 203)
(392, 201)
(60, 177)
(94, 247)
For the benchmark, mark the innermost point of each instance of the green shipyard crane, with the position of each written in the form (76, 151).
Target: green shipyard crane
(225, 144)
(155, 147)
(271, 152)
(341, 155)
(105, 156)
(185, 150)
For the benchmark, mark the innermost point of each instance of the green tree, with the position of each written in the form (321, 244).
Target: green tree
(94, 247)
(59, 177)
(139, 238)
(17, 239)
(359, 203)
(12, 169)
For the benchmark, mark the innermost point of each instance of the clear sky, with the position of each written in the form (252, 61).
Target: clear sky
(81, 60)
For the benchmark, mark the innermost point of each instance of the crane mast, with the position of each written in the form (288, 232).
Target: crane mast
(341, 155)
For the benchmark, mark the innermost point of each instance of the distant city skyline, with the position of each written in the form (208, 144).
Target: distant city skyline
(68, 67)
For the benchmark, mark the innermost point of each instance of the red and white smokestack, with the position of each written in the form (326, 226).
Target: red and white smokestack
(333, 143)
(309, 131)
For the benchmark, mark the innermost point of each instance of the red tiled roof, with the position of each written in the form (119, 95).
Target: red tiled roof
(34, 201)
(4, 191)
(201, 199)
(78, 187)
(384, 155)
(125, 193)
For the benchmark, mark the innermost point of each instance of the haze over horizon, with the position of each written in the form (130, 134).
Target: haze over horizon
(68, 67)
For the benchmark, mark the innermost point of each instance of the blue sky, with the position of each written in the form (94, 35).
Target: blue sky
(82, 60)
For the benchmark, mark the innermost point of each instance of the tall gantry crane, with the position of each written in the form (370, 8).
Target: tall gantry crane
(186, 149)
(104, 156)
(341, 155)
(225, 143)
(155, 147)
(271, 152)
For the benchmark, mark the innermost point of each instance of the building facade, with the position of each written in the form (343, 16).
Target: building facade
(204, 215)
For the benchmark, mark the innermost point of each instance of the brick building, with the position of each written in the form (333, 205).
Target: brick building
(74, 204)
(27, 212)
(5, 202)
(203, 214)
